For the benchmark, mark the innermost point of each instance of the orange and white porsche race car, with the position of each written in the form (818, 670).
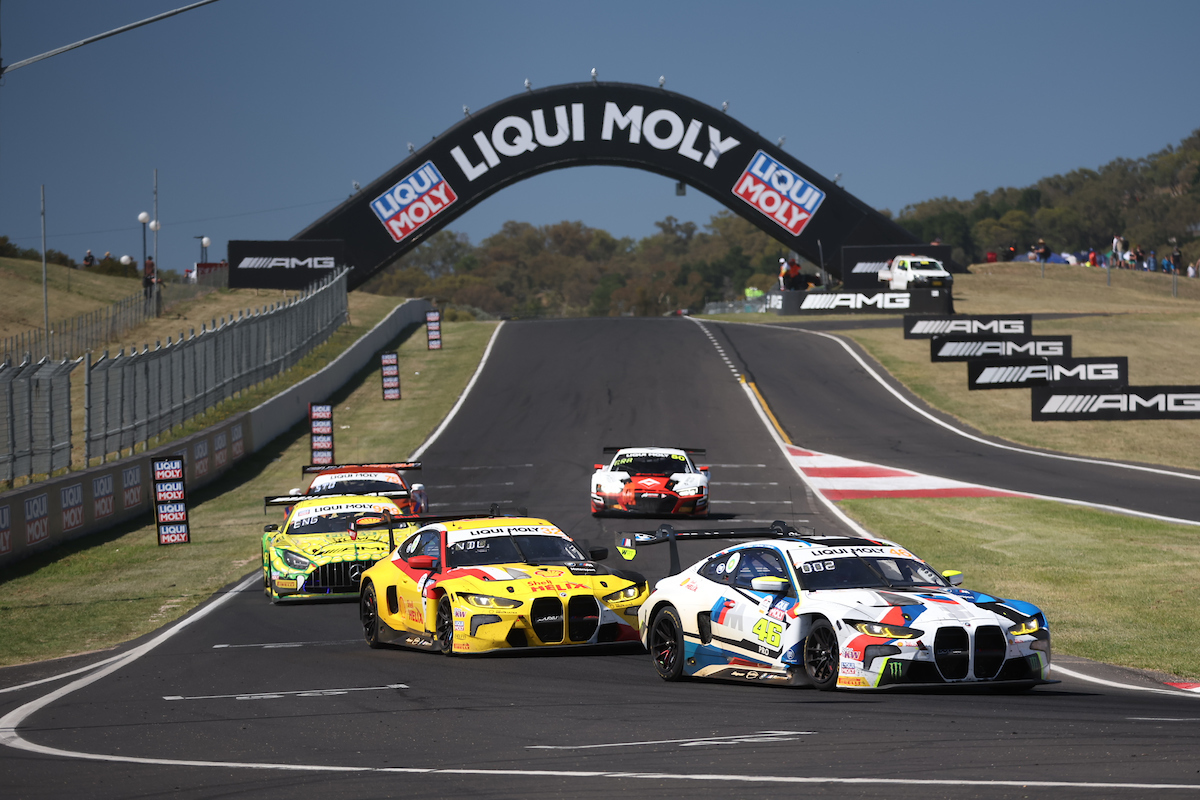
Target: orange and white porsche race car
(380, 480)
(478, 585)
(650, 481)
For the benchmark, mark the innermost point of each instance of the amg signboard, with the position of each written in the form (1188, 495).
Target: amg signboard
(1021, 373)
(283, 265)
(1127, 402)
(876, 301)
(965, 348)
(925, 327)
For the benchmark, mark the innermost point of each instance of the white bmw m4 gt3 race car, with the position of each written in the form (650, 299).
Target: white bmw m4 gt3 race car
(797, 609)
(650, 481)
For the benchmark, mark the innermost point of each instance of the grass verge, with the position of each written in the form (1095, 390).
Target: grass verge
(1115, 589)
(100, 591)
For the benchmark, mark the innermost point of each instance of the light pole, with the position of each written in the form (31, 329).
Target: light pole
(204, 243)
(143, 218)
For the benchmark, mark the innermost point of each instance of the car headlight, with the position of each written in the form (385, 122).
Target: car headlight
(688, 491)
(487, 601)
(294, 560)
(882, 631)
(628, 593)
(1026, 627)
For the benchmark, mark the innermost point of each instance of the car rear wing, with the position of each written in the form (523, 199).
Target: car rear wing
(377, 522)
(313, 469)
(627, 543)
(691, 451)
(292, 499)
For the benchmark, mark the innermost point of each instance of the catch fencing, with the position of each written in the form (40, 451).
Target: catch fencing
(71, 338)
(131, 398)
(35, 409)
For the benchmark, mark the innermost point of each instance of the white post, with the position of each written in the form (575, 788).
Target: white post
(45, 290)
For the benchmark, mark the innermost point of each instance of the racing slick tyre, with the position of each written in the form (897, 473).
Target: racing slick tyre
(445, 626)
(665, 643)
(822, 656)
(266, 573)
(368, 613)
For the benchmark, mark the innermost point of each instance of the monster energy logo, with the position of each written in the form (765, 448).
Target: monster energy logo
(894, 668)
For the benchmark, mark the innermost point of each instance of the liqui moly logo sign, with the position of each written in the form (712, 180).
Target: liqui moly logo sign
(102, 497)
(238, 447)
(418, 198)
(37, 519)
(200, 457)
(131, 485)
(5, 531)
(71, 503)
(168, 470)
(220, 451)
(778, 193)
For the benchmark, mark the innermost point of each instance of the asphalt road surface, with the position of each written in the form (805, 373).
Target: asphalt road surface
(294, 692)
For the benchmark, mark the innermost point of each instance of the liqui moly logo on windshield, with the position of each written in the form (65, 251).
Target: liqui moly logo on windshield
(779, 193)
(418, 198)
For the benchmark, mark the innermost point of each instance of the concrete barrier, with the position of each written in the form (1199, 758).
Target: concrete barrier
(42, 515)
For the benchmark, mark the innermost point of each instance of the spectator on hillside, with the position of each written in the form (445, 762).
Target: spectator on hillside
(89, 260)
(1093, 259)
(1042, 251)
(1176, 257)
(1152, 262)
(1191, 273)
(1117, 250)
(1139, 258)
(1168, 266)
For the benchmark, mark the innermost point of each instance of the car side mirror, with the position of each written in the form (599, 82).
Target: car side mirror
(423, 563)
(770, 584)
(953, 576)
(270, 528)
(598, 466)
(598, 553)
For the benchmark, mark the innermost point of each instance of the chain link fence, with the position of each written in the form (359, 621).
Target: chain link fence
(133, 397)
(35, 406)
(71, 338)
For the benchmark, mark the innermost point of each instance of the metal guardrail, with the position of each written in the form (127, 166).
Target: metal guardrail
(131, 398)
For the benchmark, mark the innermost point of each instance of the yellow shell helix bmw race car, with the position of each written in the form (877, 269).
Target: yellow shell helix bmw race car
(478, 585)
(316, 555)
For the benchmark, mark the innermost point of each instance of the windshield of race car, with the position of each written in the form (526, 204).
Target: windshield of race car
(355, 483)
(647, 464)
(536, 549)
(867, 572)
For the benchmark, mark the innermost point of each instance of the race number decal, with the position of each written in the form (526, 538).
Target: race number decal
(769, 632)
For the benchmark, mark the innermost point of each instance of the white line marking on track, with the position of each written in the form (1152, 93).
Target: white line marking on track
(743, 483)
(62, 675)
(462, 398)
(1165, 719)
(1080, 676)
(738, 466)
(469, 485)
(745, 738)
(276, 645)
(752, 502)
(496, 466)
(278, 695)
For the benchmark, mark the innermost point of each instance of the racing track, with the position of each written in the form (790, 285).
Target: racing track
(254, 684)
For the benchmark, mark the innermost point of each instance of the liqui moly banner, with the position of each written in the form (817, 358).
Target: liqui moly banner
(775, 191)
(170, 501)
(321, 433)
(433, 330)
(415, 200)
(1126, 402)
(389, 370)
(926, 327)
(596, 123)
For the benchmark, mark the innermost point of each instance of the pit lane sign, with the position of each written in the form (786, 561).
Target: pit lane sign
(596, 123)
(170, 501)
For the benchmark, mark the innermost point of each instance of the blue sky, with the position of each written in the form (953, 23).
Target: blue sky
(258, 114)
